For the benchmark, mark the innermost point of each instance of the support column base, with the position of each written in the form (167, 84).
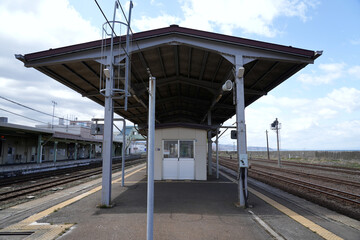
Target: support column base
(236, 204)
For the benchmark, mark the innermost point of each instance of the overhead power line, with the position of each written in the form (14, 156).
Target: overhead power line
(22, 116)
(33, 109)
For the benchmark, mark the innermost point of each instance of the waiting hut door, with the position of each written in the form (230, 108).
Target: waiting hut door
(178, 161)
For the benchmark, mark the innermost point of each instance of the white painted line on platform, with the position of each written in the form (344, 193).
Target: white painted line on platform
(290, 213)
(266, 227)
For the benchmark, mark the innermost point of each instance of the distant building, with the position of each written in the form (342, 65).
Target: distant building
(135, 142)
(47, 143)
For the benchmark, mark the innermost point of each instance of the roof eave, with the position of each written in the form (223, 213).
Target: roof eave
(173, 29)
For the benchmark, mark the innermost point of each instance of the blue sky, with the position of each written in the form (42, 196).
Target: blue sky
(319, 107)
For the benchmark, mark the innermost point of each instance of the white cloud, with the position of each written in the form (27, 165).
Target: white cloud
(156, 3)
(320, 123)
(348, 129)
(44, 23)
(252, 16)
(347, 99)
(328, 73)
(355, 42)
(284, 101)
(146, 23)
(30, 26)
(355, 71)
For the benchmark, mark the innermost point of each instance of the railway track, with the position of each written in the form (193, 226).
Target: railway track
(21, 178)
(35, 176)
(331, 192)
(345, 202)
(322, 167)
(45, 185)
(308, 175)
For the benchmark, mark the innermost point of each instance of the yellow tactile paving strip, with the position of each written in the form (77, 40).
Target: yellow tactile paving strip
(290, 213)
(300, 219)
(47, 231)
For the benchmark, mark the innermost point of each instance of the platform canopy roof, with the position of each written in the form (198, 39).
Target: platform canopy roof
(190, 67)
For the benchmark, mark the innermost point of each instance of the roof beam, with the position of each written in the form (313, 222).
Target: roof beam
(286, 75)
(189, 61)
(68, 83)
(166, 100)
(217, 96)
(78, 75)
(179, 118)
(217, 68)
(91, 93)
(253, 66)
(182, 99)
(176, 59)
(265, 74)
(279, 80)
(220, 116)
(63, 80)
(91, 69)
(224, 106)
(183, 80)
(255, 92)
(143, 60)
(203, 65)
(183, 112)
(161, 62)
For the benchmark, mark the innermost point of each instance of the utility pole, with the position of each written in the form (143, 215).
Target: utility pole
(267, 144)
(52, 121)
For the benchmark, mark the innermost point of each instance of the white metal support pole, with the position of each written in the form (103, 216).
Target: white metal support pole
(127, 58)
(123, 155)
(55, 150)
(76, 151)
(107, 147)
(151, 145)
(41, 152)
(147, 154)
(90, 152)
(209, 146)
(41, 149)
(108, 128)
(241, 133)
(217, 153)
(38, 159)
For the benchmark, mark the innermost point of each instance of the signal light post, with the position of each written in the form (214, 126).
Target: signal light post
(267, 145)
(277, 126)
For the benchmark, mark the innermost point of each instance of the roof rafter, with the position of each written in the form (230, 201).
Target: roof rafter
(183, 80)
(265, 74)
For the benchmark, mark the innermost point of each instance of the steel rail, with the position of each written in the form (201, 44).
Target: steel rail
(49, 184)
(352, 171)
(355, 199)
(314, 187)
(335, 180)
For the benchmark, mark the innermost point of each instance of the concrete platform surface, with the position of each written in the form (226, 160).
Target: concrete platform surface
(183, 210)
